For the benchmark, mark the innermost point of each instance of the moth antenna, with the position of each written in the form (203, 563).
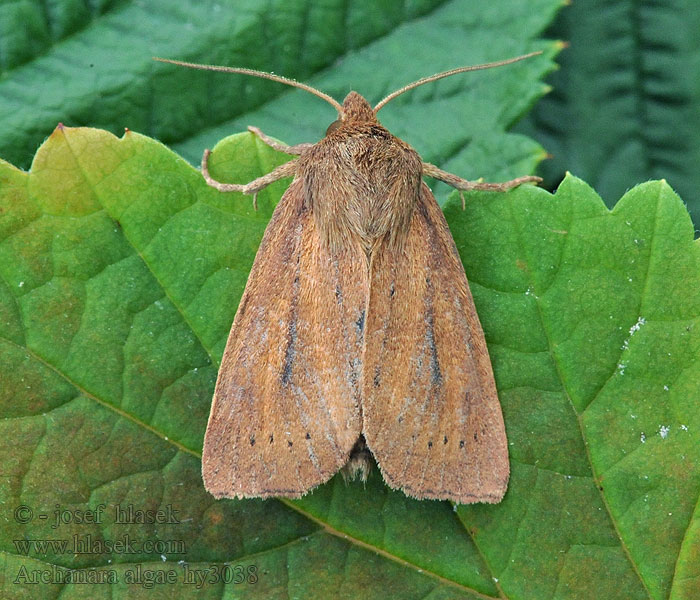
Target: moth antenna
(261, 74)
(415, 84)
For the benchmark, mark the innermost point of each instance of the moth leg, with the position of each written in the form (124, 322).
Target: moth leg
(464, 186)
(286, 170)
(279, 146)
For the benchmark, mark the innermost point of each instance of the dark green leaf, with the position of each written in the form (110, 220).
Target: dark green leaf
(624, 105)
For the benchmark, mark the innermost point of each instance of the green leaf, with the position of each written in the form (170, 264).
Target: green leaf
(597, 370)
(624, 102)
(120, 272)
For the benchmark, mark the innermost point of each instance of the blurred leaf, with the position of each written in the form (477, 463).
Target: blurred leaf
(90, 64)
(120, 272)
(624, 106)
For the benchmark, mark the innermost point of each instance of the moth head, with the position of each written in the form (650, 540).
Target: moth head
(355, 109)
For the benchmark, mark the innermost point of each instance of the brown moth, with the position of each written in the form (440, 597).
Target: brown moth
(357, 331)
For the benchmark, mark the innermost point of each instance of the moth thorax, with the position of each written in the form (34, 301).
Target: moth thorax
(388, 177)
(362, 185)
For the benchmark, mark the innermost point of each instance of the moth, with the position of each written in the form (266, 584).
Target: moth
(356, 332)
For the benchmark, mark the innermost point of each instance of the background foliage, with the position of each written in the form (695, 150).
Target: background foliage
(625, 103)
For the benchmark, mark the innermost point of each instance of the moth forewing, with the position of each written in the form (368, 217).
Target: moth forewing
(431, 415)
(275, 428)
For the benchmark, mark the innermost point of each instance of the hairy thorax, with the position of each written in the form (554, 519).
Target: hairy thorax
(361, 184)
